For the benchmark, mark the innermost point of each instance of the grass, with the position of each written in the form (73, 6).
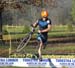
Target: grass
(51, 49)
(51, 34)
(57, 31)
(55, 49)
(55, 28)
(13, 28)
(16, 32)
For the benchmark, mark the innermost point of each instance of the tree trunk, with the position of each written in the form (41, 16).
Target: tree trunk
(0, 25)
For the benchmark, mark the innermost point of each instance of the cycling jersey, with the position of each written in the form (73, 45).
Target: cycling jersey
(43, 25)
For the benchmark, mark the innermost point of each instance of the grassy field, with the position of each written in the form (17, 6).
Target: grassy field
(17, 32)
(51, 49)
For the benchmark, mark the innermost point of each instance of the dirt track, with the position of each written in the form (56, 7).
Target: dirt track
(57, 43)
(59, 40)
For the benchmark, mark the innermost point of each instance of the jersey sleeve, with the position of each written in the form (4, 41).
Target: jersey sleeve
(49, 21)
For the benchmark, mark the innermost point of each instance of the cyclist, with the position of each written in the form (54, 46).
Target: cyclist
(44, 24)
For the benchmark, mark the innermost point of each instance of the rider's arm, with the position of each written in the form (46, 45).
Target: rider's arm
(35, 24)
(47, 29)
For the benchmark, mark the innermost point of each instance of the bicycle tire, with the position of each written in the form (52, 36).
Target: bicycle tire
(23, 43)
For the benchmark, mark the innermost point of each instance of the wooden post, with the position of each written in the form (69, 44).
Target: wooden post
(10, 45)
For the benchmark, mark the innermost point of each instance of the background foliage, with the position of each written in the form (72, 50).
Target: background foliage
(73, 10)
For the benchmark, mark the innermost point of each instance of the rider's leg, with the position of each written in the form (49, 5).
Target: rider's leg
(44, 45)
(40, 49)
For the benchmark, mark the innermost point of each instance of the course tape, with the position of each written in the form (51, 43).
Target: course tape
(46, 62)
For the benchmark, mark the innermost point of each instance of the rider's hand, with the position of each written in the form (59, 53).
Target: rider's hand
(39, 31)
(32, 30)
